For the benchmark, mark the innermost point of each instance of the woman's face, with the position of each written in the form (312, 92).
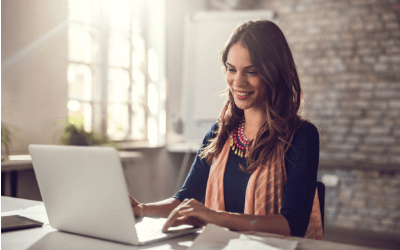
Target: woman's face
(245, 83)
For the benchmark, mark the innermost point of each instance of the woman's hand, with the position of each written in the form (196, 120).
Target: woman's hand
(160, 209)
(190, 212)
(136, 207)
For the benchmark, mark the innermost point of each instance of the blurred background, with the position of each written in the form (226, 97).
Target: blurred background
(116, 68)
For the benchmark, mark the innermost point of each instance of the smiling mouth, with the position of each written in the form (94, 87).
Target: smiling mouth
(242, 95)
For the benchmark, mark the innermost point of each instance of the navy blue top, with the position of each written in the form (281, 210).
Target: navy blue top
(301, 163)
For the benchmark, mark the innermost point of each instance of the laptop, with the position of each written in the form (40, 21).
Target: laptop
(84, 192)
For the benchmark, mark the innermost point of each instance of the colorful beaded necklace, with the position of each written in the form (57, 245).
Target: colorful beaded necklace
(239, 140)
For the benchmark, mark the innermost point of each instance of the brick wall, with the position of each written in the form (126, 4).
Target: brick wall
(363, 199)
(348, 57)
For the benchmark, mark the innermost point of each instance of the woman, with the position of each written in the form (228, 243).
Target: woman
(257, 168)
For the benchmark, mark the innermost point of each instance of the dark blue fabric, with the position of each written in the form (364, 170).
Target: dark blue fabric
(301, 163)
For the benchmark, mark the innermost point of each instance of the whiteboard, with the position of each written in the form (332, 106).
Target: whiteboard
(205, 35)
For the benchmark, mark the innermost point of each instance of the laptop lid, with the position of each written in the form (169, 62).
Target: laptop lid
(84, 191)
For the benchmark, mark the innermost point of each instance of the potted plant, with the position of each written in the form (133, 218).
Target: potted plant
(5, 142)
(75, 134)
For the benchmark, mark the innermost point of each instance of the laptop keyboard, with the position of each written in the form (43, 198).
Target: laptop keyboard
(150, 229)
(147, 231)
(151, 232)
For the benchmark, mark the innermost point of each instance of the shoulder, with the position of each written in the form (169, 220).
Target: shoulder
(213, 130)
(306, 137)
(214, 127)
(212, 133)
(306, 130)
(303, 153)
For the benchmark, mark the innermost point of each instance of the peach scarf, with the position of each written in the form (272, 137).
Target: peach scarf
(264, 193)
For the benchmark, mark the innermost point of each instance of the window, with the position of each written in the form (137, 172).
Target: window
(108, 84)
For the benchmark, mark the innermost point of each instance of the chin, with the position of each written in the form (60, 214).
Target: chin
(242, 106)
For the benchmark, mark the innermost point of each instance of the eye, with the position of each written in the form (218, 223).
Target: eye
(252, 72)
(231, 70)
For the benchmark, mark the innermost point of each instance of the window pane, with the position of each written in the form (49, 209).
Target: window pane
(80, 10)
(87, 117)
(153, 96)
(96, 84)
(137, 15)
(138, 88)
(96, 46)
(79, 82)
(79, 44)
(118, 124)
(136, 29)
(152, 130)
(108, 30)
(138, 123)
(97, 13)
(80, 113)
(153, 65)
(119, 14)
(118, 85)
(138, 52)
(97, 117)
(119, 51)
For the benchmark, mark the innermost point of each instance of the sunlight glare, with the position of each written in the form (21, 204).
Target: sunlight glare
(152, 100)
(153, 65)
(163, 123)
(73, 105)
(152, 132)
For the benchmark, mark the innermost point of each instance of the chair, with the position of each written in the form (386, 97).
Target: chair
(321, 197)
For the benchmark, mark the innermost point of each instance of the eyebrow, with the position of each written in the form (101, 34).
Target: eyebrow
(230, 65)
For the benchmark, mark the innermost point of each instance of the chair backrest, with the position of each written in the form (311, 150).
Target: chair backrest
(321, 197)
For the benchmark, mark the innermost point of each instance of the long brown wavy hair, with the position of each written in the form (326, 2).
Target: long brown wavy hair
(271, 57)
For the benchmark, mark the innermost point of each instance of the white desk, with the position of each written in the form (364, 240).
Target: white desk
(48, 238)
(20, 163)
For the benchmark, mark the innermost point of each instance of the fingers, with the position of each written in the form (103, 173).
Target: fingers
(133, 201)
(172, 217)
(136, 206)
(183, 215)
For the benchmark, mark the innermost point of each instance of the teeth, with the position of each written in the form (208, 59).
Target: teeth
(243, 93)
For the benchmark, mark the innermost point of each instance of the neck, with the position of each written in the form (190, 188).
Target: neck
(253, 122)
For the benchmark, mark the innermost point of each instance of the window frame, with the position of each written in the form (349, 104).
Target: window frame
(152, 41)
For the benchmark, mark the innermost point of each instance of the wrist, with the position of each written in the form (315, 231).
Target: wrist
(218, 218)
(142, 210)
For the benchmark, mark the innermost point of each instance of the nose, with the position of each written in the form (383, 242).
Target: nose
(239, 80)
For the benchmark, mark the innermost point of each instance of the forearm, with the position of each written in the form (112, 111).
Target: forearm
(159, 209)
(276, 224)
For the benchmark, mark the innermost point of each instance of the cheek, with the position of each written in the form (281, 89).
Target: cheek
(263, 91)
(229, 79)
(261, 86)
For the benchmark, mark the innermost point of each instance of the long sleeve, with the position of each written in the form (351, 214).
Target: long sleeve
(301, 167)
(196, 181)
(301, 163)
